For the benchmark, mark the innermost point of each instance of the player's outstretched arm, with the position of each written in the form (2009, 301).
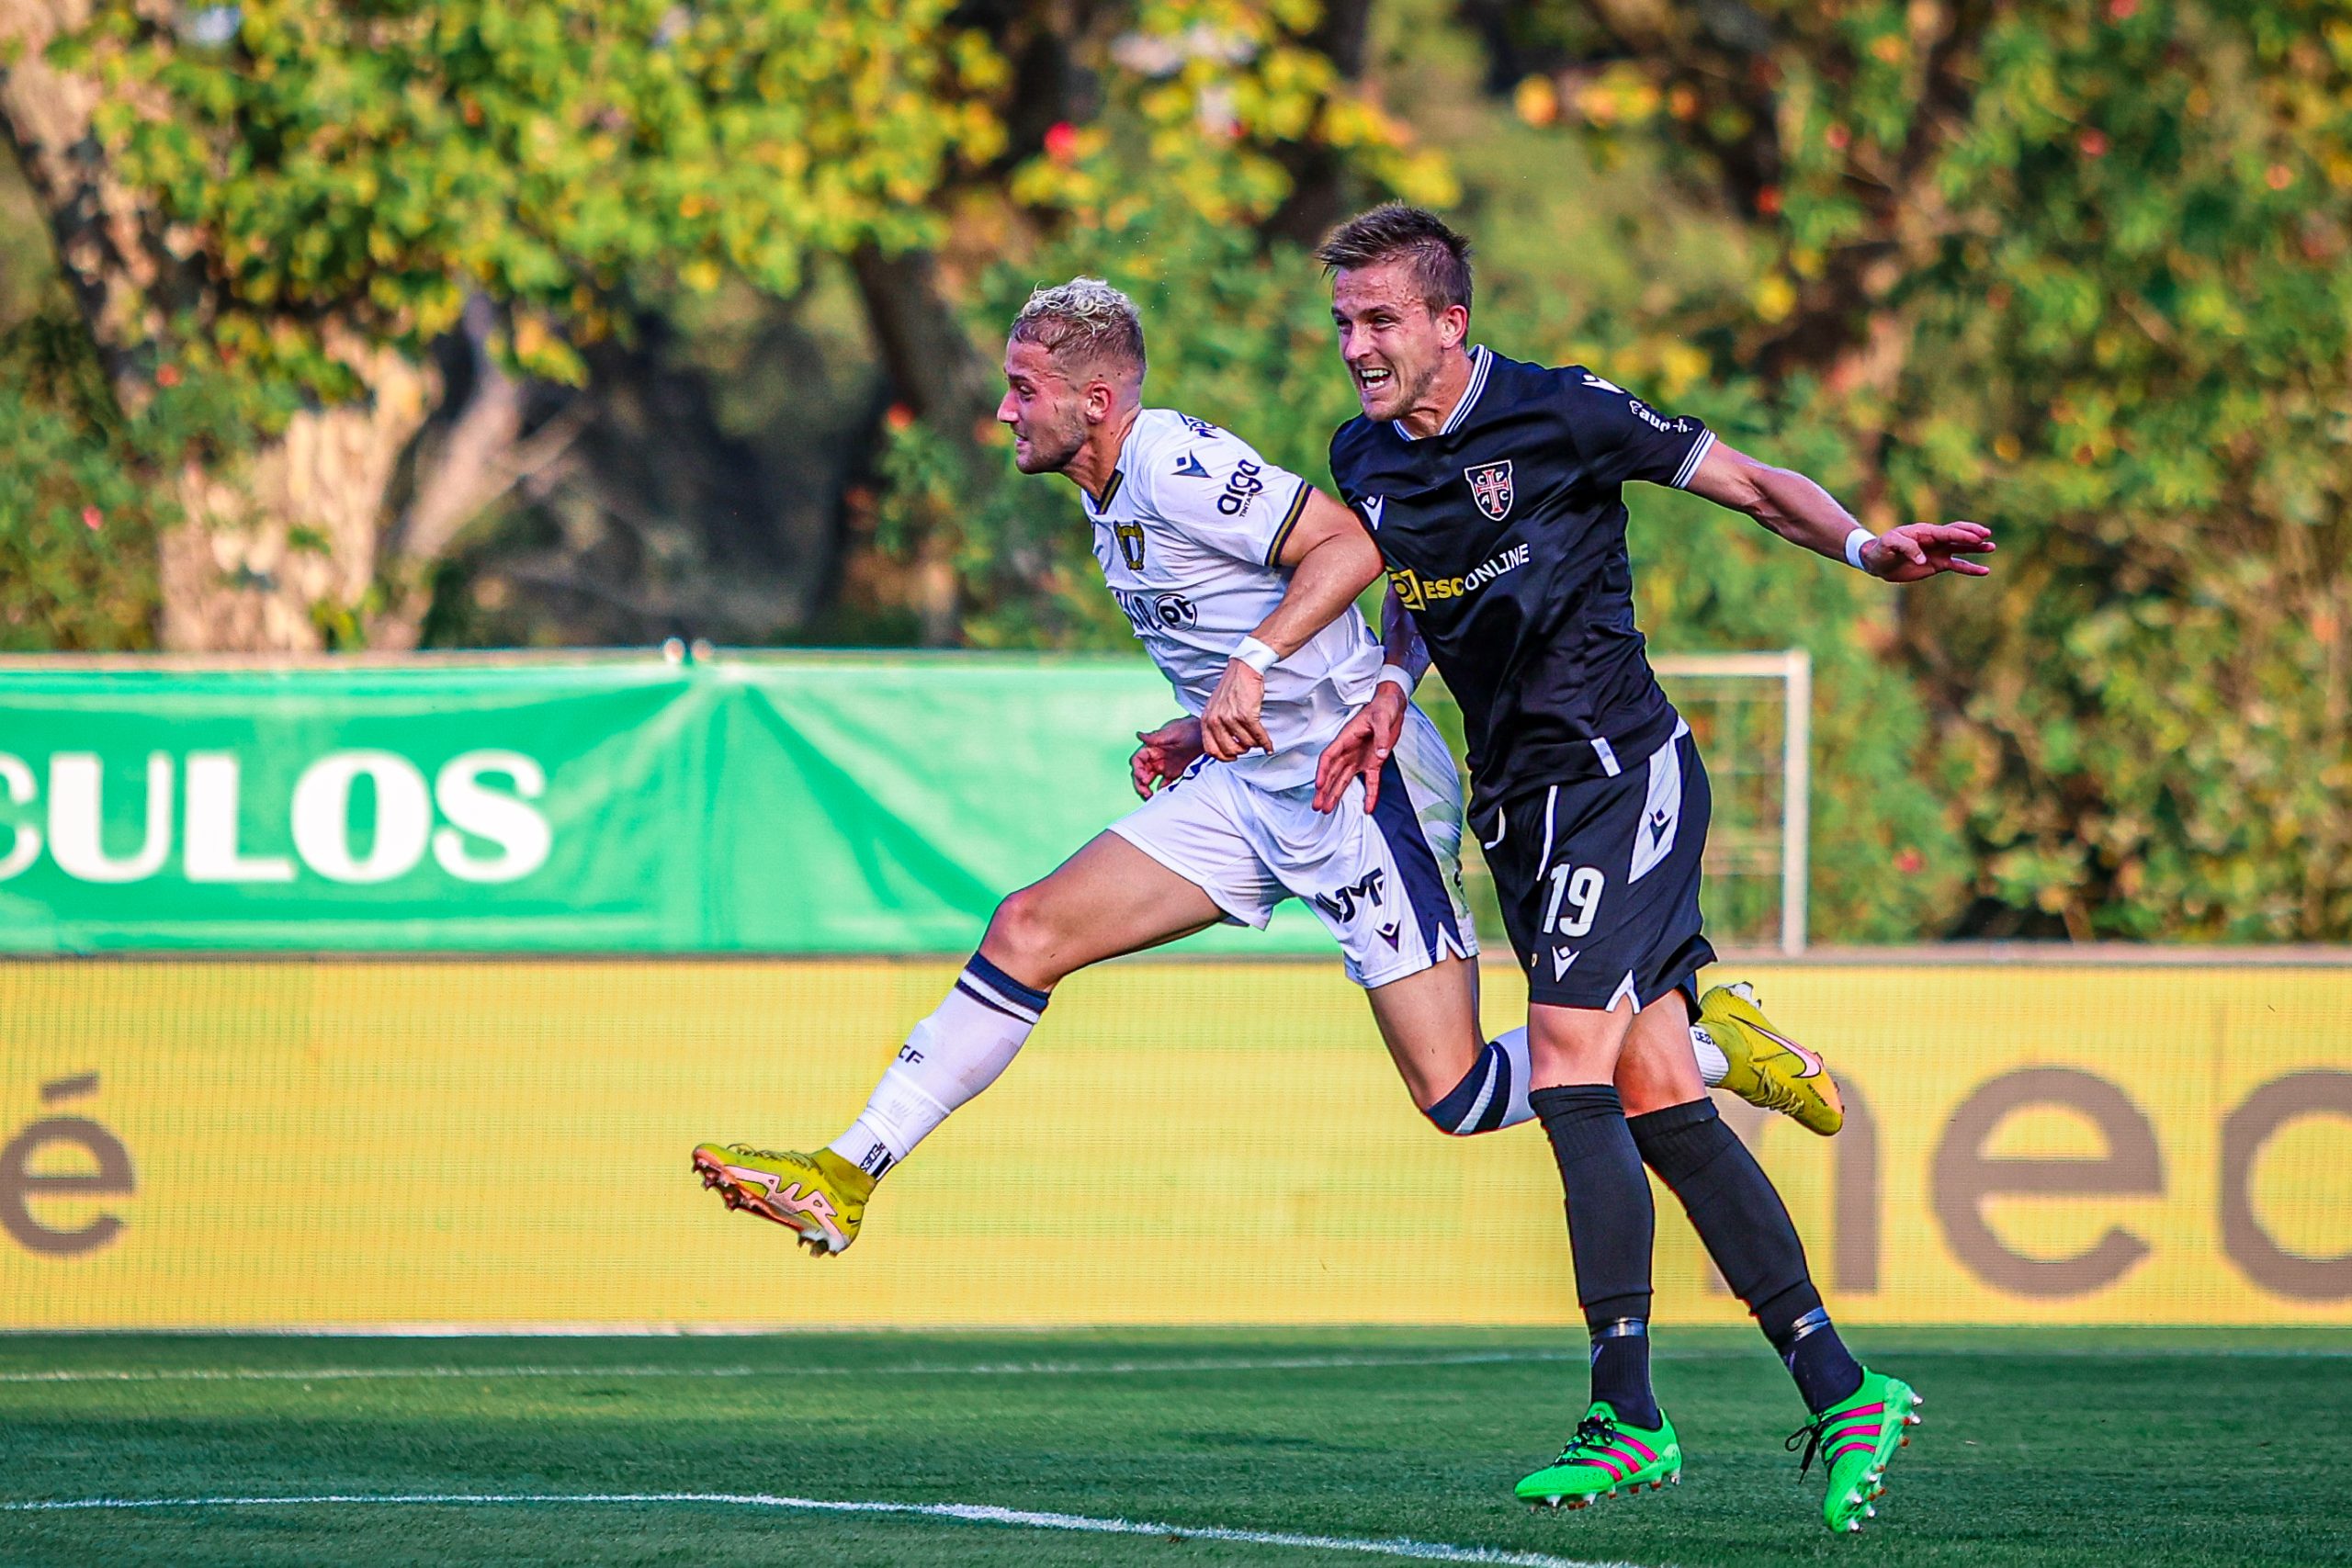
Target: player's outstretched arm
(1804, 514)
(1364, 742)
(1332, 559)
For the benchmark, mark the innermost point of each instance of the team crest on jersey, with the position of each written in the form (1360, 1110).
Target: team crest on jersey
(1130, 543)
(1490, 487)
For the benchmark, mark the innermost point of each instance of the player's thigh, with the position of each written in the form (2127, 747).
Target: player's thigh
(1657, 1067)
(1386, 883)
(1107, 899)
(1428, 1021)
(1597, 879)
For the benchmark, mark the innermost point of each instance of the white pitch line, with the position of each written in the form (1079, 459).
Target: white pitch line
(1048, 1369)
(963, 1513)
(992, 1368)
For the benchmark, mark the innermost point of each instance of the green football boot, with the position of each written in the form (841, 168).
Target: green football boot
(1857, 1437)
(1605, 1456)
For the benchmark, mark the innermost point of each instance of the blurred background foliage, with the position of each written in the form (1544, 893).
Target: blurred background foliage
(326, 325)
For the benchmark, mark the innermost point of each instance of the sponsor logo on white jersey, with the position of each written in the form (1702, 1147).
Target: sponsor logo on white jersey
(1242, 488)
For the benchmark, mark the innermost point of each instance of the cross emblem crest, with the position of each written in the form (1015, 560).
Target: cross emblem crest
(1490, 487)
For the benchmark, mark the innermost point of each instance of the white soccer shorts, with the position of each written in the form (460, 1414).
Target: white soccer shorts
(1387, 883)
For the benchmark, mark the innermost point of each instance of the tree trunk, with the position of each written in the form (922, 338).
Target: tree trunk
(925, 350)
(1320, 188)
(110, 241)
(462, 467)
(943, 379)
(277, 550)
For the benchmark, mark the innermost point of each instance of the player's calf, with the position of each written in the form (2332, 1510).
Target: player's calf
(948, 1057)
(1492, 1095)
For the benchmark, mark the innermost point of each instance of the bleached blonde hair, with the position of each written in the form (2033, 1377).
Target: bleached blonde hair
(1085, 324)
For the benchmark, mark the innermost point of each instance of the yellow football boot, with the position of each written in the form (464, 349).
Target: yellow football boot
(1768, 1068)
(820, 1197)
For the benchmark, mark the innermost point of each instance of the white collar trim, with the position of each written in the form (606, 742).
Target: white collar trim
(1480, 360)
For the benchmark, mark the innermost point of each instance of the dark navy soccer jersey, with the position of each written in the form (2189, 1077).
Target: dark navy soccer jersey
(1505, 536)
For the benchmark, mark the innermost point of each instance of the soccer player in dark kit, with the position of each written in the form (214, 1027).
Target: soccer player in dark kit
(1494, 490)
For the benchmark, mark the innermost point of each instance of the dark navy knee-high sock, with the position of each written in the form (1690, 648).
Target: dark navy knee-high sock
(1610, 1232)
(1747, 1232)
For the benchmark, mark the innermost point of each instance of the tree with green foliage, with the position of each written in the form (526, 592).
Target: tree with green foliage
(2078, 271)
(268, 211)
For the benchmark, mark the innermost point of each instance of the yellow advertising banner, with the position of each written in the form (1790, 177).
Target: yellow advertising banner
(359, 1143)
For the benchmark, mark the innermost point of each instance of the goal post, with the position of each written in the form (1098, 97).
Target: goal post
(1752, 715)
(1697, 681)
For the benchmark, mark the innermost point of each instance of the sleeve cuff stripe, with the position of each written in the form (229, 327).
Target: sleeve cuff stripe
(1697, 456)
(1290, 521)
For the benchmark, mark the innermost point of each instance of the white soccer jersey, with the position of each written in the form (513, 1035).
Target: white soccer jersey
(1188, 533)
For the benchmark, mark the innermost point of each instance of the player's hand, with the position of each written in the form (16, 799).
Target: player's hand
(1229, 723)
(1360, 748)
(1165, 753)
(1920, 550)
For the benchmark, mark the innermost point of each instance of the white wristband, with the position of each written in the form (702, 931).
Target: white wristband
(1256, 654)
(1854, 543)
(1403, 679)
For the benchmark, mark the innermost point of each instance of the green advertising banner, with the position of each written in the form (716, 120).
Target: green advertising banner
(822, 803)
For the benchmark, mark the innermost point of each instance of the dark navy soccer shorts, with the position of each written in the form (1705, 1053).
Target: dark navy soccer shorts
(1599, 879)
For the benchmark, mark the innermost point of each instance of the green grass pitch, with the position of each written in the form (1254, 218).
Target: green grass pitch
(2058, 1447)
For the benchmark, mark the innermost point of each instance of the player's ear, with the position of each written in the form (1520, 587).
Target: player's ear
(1453, 325)
(1099, 401)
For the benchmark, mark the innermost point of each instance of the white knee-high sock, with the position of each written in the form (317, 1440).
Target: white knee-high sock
(1712, 1062)
(1493, 1094)
(948, 1057)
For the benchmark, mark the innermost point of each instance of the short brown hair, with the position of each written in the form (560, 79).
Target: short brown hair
(1440, 258)
(1082, 323)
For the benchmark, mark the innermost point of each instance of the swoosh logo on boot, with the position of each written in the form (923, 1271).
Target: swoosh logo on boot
(1812, 1063)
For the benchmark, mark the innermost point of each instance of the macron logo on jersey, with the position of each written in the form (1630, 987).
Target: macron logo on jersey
(1372, 507)
(1192, 468)
(1605, 385)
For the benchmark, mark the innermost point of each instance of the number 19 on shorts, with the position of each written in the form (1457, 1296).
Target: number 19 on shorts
(1575, 901)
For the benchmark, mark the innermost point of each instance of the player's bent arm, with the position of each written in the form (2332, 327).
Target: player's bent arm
(1332, 559)
(1803, 512)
